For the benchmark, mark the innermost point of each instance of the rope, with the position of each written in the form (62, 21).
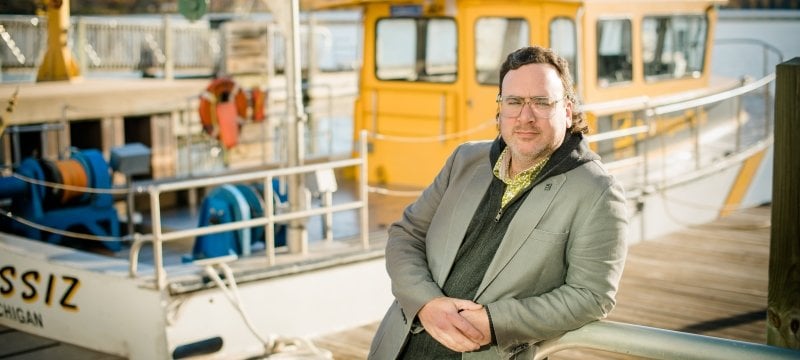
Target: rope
(437, 138)
(708, 207)
(72, 174)
(71, 187)
(72, 234)
(231, 291)
(292, 347)
(385, 191)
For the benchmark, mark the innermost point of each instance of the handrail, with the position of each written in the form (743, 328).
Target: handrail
(157, 237)
(613, 134)
(715, 97)
(765, 46)
(250, 176)
(655, 343)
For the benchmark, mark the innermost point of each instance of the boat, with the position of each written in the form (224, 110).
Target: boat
(92, 251)
(688, 146)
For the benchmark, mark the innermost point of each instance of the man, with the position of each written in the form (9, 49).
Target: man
(517, 240)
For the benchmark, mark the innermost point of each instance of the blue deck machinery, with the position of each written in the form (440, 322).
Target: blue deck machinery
(44, 200)
(52, 213)
(235, 202)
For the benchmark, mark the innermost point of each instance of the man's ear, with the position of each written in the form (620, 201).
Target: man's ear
(568, 109)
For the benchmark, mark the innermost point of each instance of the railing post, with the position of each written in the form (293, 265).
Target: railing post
(269, 212)
(169, 64)
(739, 123)
(80, 51)
(364, 190)
(645, 151)
(158, 257)
(696, 128)
(784, 252)
(327, 223)
(768, 119)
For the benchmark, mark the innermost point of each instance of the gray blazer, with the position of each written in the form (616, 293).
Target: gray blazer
(557, 268)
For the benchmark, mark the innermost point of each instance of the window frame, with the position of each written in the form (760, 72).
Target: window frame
(525, 42)
(573, 65)
(420, 77)
(624, 82)
(689, 73)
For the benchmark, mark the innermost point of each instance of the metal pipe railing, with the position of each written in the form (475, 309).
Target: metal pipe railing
(269, 219)
(652, 113)
(654, 343)
(706, 100)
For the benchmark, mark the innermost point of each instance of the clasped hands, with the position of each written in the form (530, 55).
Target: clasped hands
(460, 325)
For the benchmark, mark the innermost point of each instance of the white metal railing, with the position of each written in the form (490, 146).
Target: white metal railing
(637, 162)
(158, 237)
(644, 165)
(125, 43)
(706, 100)
(654, 343)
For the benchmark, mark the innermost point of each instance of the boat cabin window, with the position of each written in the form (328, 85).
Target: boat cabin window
(614, 63)
(495, 38)
(416, 49)
(563, 40)
(673, 46)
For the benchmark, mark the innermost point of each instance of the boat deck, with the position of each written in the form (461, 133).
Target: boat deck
(708, 279)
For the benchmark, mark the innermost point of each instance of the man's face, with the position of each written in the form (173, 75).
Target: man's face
(536, 132)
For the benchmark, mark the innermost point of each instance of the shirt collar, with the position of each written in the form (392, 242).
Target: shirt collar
(503, 163)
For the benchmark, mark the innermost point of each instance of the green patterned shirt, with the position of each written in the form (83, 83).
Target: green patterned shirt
(520, 181)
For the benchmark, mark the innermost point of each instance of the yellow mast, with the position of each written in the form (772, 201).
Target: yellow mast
(57, 63)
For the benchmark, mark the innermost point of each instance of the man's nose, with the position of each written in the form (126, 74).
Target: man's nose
(527, 113)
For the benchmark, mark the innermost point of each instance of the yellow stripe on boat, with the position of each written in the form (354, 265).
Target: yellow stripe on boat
(742, 183)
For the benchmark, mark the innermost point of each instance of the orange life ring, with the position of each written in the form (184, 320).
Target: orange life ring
(221, 96)
(259, 99)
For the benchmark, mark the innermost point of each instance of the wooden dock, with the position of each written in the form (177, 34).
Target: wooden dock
(708, 279)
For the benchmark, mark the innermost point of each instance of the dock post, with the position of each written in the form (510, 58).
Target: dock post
(783, 298)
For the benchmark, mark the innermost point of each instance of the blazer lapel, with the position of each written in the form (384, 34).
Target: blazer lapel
(521, 227)
(468, 201)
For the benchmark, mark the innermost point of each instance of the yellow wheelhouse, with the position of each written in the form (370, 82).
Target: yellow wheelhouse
(429, 75)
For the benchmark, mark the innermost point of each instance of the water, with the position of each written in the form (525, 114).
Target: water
(779, 28)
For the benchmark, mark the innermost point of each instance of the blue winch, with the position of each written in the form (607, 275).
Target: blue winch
(36, 207)
(229, 203)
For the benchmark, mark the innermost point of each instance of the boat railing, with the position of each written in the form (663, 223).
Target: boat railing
(158, 236)
(699, 133)
(133, 43)
(703, 124)
(766, 49)
(655, 343)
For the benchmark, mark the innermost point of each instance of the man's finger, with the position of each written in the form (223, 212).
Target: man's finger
(468, 305)
(455, 340)
(466, 328)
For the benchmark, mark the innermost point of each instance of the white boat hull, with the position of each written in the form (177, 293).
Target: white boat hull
(93, 303)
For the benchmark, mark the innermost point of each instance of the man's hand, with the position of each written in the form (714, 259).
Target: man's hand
(480, 320)
(442, 319)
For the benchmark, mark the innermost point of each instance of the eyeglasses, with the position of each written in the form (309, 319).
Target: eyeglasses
(511, 106)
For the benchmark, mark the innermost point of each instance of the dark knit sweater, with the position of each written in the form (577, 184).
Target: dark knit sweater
(485, 233)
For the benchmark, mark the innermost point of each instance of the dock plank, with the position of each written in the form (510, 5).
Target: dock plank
(708, 279)
(18, 345)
